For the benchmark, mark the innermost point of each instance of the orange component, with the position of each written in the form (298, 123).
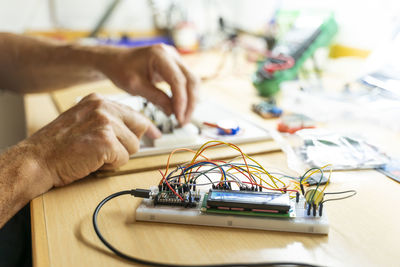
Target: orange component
(283, 128)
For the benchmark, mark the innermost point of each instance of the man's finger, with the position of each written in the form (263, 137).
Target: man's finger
(92, 96)
(137, 123)
(157, 97)
(126, 137)
(117, 155)
(168, 69)
(192, 85)
(153, 132)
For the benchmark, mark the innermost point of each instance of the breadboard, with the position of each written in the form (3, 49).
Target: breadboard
(301, 223)
(193, 135)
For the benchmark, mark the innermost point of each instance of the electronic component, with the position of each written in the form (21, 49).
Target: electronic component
(315, 180)
(173, 135)
(294, 122)
(224, 127)
(148, 212)
(309, 32)
(296, 220)
(259, 202)
(267, 109)
(166, 124)
(314, 198)
(183, 197)
(235, 200)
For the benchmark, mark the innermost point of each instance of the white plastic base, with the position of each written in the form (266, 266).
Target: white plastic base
(188, 135)
(167, 214)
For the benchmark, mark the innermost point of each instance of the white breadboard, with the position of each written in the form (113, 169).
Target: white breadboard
(180, 215)
(193, 135)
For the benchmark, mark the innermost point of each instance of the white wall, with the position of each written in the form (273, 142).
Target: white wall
(21, 15)
(363, 22)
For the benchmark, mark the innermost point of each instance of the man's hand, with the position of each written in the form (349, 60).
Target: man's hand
(96, 133)
(137, 71)
(30, 65)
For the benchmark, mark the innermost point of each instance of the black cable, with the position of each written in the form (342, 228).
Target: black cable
(152, 263)
(340, 192)
(354, 192)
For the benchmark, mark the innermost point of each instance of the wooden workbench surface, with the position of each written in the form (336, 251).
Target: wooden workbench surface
(363, 229)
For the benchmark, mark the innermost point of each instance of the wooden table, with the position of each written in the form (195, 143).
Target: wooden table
(363, 230)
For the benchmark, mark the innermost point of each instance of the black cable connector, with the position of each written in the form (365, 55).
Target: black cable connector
(302, 188)
(142, 193)
(320, 209)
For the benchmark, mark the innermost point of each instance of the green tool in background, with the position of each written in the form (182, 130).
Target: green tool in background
(309, 30)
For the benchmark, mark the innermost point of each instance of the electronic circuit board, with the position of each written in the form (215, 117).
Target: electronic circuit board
(310, 30)
(195, 133)
(296, 220)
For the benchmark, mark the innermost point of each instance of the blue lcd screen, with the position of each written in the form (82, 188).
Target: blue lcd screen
(249, 197)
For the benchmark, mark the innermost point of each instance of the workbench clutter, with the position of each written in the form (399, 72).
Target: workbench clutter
(246, 133)
(342, 151)
(241, 194)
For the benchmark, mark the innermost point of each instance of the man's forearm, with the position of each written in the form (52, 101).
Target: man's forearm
(32, 65)
(22, 177)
